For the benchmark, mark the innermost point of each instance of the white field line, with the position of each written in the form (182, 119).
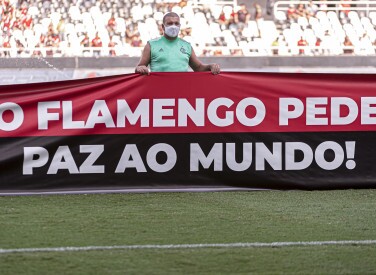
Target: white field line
(128, 190)
(186, 246)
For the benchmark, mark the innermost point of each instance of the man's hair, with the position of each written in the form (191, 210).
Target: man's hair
(169, 14)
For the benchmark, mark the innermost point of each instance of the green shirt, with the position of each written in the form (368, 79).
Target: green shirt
(169, 55)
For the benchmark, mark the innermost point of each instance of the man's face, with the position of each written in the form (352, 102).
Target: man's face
(170, 21)
(171, 27)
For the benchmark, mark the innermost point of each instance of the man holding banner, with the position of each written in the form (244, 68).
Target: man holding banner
(169, 53)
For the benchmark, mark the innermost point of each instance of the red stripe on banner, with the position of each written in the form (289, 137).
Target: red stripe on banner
(190, 103)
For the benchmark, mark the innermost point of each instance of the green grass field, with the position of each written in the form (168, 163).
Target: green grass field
(190, 218)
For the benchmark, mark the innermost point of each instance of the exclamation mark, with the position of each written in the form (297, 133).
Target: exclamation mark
(350, 151)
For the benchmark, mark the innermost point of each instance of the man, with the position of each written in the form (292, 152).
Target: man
(242, 17)
(170, 53)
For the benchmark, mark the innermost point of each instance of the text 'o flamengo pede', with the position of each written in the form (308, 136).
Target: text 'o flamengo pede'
(171, 112)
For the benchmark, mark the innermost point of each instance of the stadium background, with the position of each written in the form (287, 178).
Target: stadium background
(51, 40)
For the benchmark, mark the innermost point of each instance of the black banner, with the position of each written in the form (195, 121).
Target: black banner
(249, 160)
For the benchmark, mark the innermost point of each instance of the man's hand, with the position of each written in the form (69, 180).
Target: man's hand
(142, 70)
(215, 69)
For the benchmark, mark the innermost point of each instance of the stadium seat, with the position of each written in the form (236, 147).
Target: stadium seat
(152, 27)
(229, 38)
(75, 13)
(280, 16)
(80, 28)
(120, 25)
(106, 16)
(216, 10)
(188, 12)
(310, 37)
(147, 10)
(33, 11)
(227, 10)
(268, 31)
(177, 10)
(215, 29)
(372, 16)
(45, 23)
(303, 22)
(253, 29)
(137, 13)
(69, 28)
(313, 21)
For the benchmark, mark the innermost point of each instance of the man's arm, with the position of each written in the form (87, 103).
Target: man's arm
(197, 66)
(142, 67)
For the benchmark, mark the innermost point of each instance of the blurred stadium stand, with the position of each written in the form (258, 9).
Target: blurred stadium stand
(105, 28)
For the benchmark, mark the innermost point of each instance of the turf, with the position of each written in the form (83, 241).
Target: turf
(190, 218)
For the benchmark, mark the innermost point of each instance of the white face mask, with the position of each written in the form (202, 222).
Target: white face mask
(172, 31)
